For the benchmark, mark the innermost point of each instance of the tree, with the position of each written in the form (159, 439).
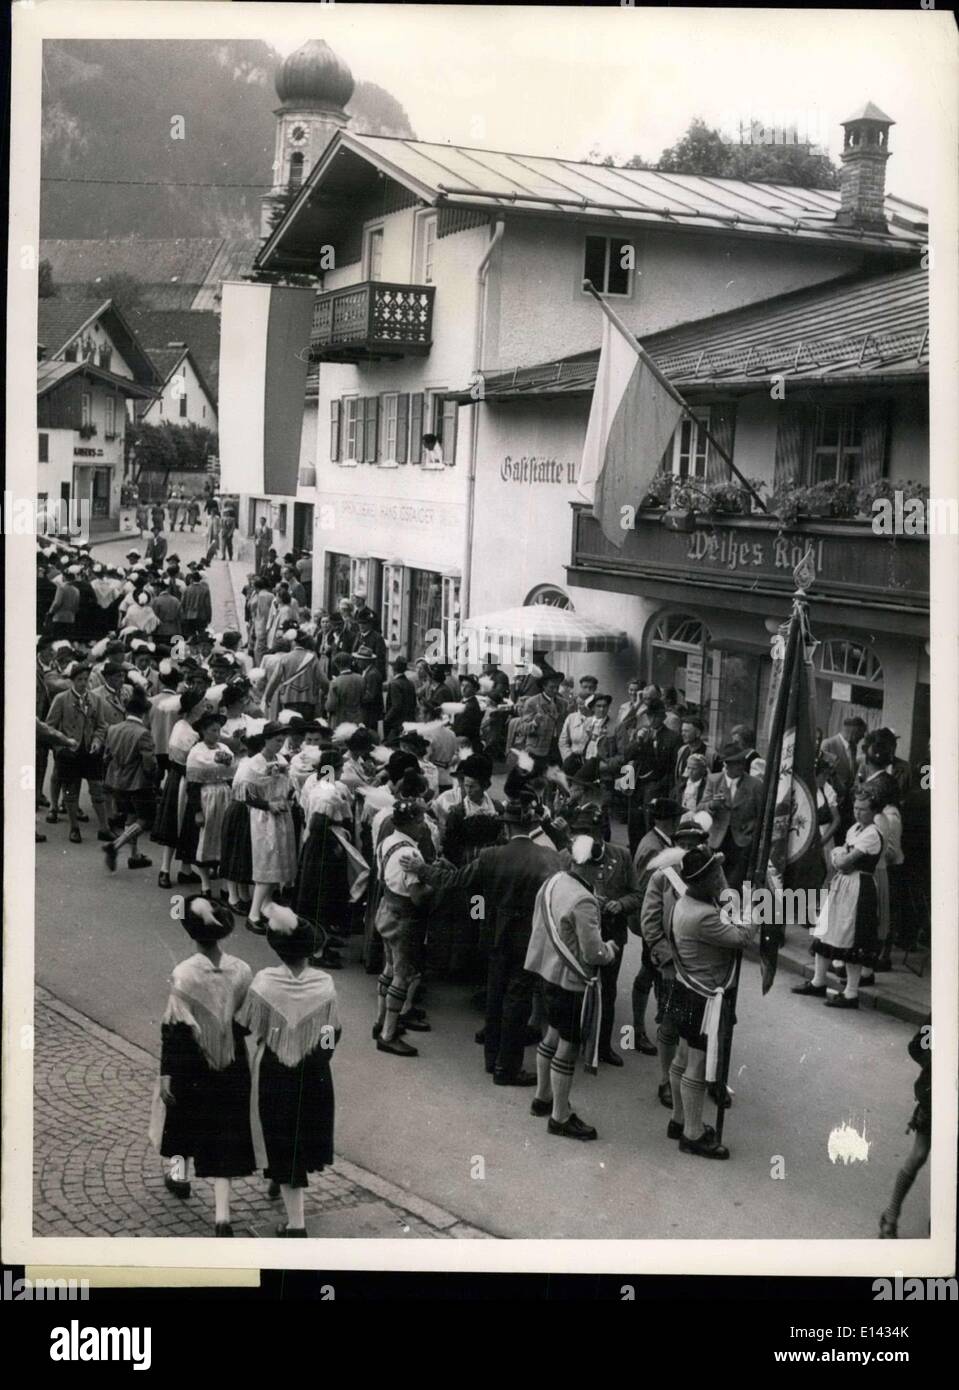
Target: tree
(703, 150)
(125, 290)
(169, 448)
(46, 287)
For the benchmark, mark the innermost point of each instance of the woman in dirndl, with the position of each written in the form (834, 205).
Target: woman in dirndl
(236, 846)
(290, 1009)
(328, 865)
(848, 930)
(172, 802)
(201, 1110)
(209, 775)
(470, 824)
(272, 833)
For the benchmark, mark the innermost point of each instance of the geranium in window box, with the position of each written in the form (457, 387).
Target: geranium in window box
(87, 431)
(659, 492)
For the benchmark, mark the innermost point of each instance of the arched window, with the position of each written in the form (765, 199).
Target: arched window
(677, 658)
(296, 169)
(849, 681)
(680, 631)
(551, 596)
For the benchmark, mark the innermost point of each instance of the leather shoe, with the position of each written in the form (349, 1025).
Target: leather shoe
(665, 1093)
(292, 1231)
(183, 877)
(39, 839)
(818, 991)
(572, 1128)
(378, 1028)
(256, 926)
(647, 1048)
(104, 836)
(110, 855)
(706, 1146)
(179, 1189)
(397, 1047)
(223, 1228)
(163, 880)
(839, 1001)
(414, 1024)
(611, 1058)
(273, 1191)
(519, 1078)
(139, 861)
(541, 1108)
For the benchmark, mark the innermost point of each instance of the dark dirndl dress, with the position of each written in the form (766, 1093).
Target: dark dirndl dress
(210, 1121)
(322, 893)
(852, 909)
(236, 861)
(166, 827)
(296, 1109)
(188, 841)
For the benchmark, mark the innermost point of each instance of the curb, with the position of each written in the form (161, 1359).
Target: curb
(427, 1211)
(883, 1004)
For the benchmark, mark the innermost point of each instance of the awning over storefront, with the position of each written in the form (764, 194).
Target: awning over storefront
(540, 627)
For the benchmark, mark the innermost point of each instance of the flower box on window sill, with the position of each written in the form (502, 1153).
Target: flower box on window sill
(112, 436)
(87, 431)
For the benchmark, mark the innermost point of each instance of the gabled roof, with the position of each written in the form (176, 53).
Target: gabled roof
(60, 321)
(863, 328)
(50, 375)
(199, 329)
(492, 180)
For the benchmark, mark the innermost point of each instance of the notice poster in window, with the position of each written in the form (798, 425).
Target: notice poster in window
(841, 691)
(694, 679)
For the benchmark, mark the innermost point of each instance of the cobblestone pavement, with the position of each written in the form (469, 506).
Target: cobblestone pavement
(96, 1173)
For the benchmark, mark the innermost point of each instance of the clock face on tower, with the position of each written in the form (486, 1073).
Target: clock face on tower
(298, 135)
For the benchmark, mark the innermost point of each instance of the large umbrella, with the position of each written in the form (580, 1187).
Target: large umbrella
(540, 627)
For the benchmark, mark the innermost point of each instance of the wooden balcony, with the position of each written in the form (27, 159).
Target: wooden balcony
(747, 563)
(372, 320)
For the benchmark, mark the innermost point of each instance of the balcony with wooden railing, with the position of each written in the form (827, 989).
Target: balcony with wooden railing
(372, 320)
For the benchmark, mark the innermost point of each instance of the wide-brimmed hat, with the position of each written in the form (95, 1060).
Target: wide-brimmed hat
(732, 753)
(693, 829)
(588, 816)
(476, 766)
(584, 773)
(273, 729)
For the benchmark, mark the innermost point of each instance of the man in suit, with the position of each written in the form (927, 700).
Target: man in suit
(734, 800)
(400, 700)
(844, 750)
(746, 738)
(543, 716)
(508, 877)
(691, 733)
(652, 757)
(262, 542)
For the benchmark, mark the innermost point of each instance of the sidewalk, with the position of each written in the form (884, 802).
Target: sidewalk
(899, 992)
(96, 1174)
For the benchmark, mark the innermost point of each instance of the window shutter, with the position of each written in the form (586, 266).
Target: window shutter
(335, 431)
(416, 428)
(448, 431)
(402, 427)
(789, 444)
(722, 426)
(360, 432)
(371, 405)
(875, 438)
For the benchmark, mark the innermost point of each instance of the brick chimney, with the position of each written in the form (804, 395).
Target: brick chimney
(863, 178)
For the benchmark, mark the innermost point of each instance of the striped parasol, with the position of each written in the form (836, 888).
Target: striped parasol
(540, 627)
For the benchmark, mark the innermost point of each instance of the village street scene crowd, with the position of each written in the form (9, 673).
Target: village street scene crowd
(505, 831)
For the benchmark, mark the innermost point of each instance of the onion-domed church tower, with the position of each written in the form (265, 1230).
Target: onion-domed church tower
(314, 87)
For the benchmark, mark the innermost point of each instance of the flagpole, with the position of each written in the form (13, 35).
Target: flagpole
(669, 388)
(759, 855)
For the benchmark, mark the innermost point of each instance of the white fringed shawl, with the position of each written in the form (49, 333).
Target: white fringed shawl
(291, 1014)
(206, 997)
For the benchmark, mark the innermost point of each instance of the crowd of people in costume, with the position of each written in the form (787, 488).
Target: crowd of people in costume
(310, 789)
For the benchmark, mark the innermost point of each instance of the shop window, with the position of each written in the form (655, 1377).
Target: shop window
(677, 659)
(337, 579)
(426, 609)
(850, 681)
(392, 604)
(603, 259)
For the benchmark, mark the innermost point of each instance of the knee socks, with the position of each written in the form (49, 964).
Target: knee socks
(675, 1080)
(221, 1199)
(293, 1203)
(544, 1057)
(693, 1096)
(561, 1078)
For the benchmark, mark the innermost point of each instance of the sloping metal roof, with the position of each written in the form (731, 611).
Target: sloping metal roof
(867, 328)
(456, 175)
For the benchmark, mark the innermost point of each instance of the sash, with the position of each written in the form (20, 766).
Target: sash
(712, 1015)
(591, 1016)
(357, 869)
